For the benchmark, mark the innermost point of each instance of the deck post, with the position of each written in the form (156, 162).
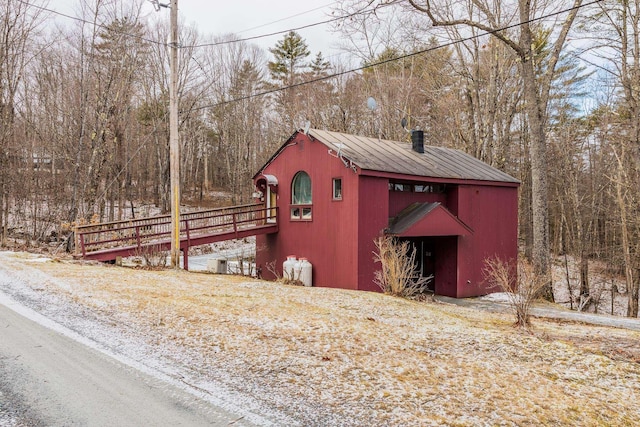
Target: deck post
(185, 258)
(108, 240)
(138, 236)
(235, 224)
(81, 240)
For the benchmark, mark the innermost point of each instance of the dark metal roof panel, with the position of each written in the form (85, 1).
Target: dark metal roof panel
(398, 157)
(409, 216)
(417, 212)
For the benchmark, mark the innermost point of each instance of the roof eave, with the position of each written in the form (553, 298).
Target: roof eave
(276, 154)
(437, 180)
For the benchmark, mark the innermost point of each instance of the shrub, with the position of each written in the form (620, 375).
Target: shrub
(289, 278)
(519, 282)
(398, 275)
(153, 256)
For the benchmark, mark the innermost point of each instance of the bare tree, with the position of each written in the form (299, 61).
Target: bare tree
(617, 42)
(19, 21)
(491, 17)
(237, 119)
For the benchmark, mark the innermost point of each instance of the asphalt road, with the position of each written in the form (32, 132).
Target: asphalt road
(48, 379)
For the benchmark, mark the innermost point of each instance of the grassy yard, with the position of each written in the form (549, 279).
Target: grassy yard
(335, 357)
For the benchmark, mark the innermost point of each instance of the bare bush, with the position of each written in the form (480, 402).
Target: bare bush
(521, 284)
(288, 279)
(596, 292)
(271, 268)
(153, 256)
(245, 264)
(398, 275)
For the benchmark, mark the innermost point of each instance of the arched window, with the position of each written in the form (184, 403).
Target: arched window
(301, 196)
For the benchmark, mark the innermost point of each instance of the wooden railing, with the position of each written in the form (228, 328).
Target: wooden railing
(195, 227)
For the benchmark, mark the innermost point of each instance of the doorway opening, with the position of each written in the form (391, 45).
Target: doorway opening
(436, 256)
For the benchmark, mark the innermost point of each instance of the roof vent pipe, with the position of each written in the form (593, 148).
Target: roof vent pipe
(417, 140)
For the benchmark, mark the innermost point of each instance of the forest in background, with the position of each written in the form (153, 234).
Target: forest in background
(547, 92)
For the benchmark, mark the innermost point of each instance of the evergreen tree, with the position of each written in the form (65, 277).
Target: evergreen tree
(319, 66)
(288, 68)
(290, 55)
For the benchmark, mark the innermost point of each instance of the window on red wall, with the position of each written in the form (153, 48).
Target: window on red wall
(337, 188)
(301, 200)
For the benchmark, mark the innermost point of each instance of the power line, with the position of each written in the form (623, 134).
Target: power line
(398, 58)
(84, 21)
(322, 78)
(362, 11)
(288, 17)
(156, 5)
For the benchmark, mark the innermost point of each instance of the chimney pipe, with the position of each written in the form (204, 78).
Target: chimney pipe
(417, 141)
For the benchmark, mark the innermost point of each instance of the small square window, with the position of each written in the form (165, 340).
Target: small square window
(337, 188)
(295, 213)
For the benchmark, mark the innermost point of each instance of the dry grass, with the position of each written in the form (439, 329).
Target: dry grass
(336, 357)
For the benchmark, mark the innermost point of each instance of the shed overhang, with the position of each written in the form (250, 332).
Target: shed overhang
(427, 219)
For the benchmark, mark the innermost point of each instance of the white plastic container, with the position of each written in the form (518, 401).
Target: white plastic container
(305, 271)
(217, 265)
(288, 268)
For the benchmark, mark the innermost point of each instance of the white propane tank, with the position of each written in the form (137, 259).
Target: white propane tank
(305, 274)
(288, 267)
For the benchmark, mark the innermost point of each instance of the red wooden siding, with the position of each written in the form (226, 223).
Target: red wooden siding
(438, 221)
(329, 239)
(373, 208)
(339, 239)
(492, 212)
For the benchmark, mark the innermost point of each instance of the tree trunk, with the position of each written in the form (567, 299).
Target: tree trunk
(584, 273)
(3, 222)
(632, 289)
(539, 187)
(633, 300)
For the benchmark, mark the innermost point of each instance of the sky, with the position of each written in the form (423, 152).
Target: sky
(250, 18)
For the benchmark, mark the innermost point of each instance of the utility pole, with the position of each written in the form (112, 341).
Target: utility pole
(174, 140)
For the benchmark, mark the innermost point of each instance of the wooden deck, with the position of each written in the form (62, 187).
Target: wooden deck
(109, 240)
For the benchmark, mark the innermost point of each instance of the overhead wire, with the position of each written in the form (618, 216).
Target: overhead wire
(330, 76)
(103, 26)
(362, 11)
(398, 58)
(315, 80)
(286, 18)
(85, 21)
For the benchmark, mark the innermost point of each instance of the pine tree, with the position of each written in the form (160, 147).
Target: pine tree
(287, 69)
(290, 54)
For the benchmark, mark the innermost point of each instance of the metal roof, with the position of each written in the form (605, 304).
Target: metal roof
(398, 157)
(417, 212)
(409, 216)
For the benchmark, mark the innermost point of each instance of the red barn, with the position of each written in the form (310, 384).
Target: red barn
(335, 193)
